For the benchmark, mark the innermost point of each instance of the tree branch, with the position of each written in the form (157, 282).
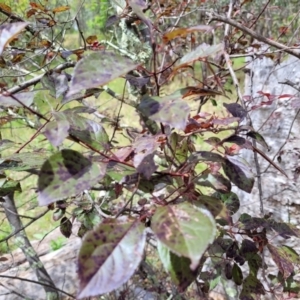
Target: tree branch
(37, 79)
(23, 227)
(36, 282)
(18, 19)
(215, 17)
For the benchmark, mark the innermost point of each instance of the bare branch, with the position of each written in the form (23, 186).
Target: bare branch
(36, 282)
(24, 227)
(215, 17)
(37, 79)
(19, 19)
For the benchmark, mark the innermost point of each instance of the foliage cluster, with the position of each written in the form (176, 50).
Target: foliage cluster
(152, 182)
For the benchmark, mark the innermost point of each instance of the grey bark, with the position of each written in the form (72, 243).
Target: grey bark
(23, 242)
(279, 123)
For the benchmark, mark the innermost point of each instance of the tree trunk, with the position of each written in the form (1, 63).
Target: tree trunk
(23, 242)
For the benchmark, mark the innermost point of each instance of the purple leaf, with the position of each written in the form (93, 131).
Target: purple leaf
(170, 110)
(239, 173)
(236, 110)
(67, 173)
(57, 131)
(98, 69)
(109, 255)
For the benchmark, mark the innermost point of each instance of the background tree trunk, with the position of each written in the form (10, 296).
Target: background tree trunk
(23, 242)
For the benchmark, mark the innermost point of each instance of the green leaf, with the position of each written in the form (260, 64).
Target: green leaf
(58, 214)
(179, 147)
(230, 200)
(24, 161)
(259, 138)
(239, 173)
(170, 110)
(202, 51)
(291, 285)
(158, 181)
(185, 230)
(178, 267)
(203, 156)
(285, 230)
(235, 139)
(214, 102)
(213, 141)
(237, 275)
(147, 166)
(89, 132)
(250, 223)
(90, 219)
(9, 186)
(66, 174)
(65, 227)
(214, 205)
(252, 287)
(218, 248)
(78, 110)
(86, 130)
(152, 126)
(233, 250)
(214, 282)
(285, 258)
(228, 270)
(117, 171)
(109, 256)
(291, 253)
(98, 69)
(255, 263)
(216, 181)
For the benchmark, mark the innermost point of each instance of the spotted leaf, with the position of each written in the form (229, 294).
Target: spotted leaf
(98, 69)
(109, 256)
(185, 229)
(66, 174)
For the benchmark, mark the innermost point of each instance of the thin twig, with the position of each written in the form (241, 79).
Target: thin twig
(24, 227)
(19, 19)
(129, 200)
(290, 83)
(36, 282)
(240, 96)
(215, 17)
(37, 79)
(286, 140)
(259, 15)
(119, 113)
(27, 107)
(32, 138)
(97, 207)
(81, 33)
